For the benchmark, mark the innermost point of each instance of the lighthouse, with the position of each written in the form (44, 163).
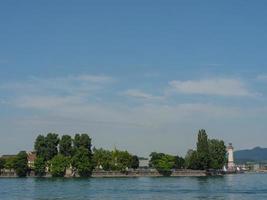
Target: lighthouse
(230, 152)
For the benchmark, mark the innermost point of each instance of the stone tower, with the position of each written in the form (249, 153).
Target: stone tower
(230, 152)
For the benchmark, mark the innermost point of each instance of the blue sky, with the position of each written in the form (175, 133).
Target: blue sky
(138, 75)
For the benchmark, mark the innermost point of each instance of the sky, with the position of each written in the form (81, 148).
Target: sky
(138, 75)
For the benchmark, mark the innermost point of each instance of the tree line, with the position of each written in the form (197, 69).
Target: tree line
(55, 155)
(209, 154)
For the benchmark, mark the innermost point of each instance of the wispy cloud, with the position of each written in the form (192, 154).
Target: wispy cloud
(50, 93)
(219, 87)
(92, 78)
(60, 85)
(262, 77)
(68, 105)
(135, 93)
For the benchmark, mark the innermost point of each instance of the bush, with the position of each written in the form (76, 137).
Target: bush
(59, 165)
(21, 164)
(39, 166)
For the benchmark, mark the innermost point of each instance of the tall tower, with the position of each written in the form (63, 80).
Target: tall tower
(230, 152)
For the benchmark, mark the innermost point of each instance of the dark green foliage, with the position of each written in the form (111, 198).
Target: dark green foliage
(121, 160)
(203, 150)
(217, 151)
(102, 158)
(39, 166)
(59, 164)
(21, 164)
(46, 147)
(40, 146)
(210, 154)
(191, 160)
(10, 162)
(164, 163)
(179, 162)
(2, 163)
(154, 157)
(82, 140)
(135, 162)
(114, 160)
(52, 141)
(82, 162)
(65, 145)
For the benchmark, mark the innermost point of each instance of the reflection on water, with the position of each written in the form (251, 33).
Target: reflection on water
(240, 187)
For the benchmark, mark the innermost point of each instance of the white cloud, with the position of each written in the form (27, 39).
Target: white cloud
(65, 105)
(46, 102)
(262, 77)
(68, 85)
(94, 78)
(219, 87)
(141, 95)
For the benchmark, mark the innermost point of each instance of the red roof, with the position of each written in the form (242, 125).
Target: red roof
(31, 156)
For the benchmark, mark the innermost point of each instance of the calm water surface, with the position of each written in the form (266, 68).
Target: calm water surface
(236, 187)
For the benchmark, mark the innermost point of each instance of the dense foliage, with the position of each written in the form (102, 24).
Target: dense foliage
(59, 164)
(135, 162)
(82, 140)
(114, 160)
(82, 162)
(102, 159)
(21, 164)
(217, 152)
(65, 145)
(39, 166)
(210, 154)
(203, 150)
(57, 154)
(2, 163)
(47, 147)
(10, 163)
(164, 163)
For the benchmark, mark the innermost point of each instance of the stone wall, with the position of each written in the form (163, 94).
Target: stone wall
(131, 173)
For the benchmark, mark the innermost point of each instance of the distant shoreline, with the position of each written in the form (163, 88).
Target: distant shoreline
(129, 174)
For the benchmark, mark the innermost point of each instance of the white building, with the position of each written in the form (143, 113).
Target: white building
(230, 152)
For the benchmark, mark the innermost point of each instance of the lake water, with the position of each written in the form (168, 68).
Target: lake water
(234, 187)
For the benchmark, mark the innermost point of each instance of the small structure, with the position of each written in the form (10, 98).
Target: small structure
(143, 163)
(31, 156)
(230, 152)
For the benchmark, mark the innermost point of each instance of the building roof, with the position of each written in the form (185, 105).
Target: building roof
(31, 156)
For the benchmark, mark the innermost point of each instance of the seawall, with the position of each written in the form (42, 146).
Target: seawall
(113, 174)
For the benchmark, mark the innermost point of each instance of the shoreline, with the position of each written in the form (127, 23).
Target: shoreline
(128, 174)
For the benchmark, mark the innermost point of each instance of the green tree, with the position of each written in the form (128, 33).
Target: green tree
(21, 164)
(65, 145)
(39, 166)
(10, 162)
(51, 142)
(135, 162)
(179, 162)
(154, 158)
(191, 160)
(40, 146)
(203, 150)
(59, 164)
(165, 165)
(102, 158)
(122, 160)
(217, 151)
(82, 140)
(2, 164)
(82, 162)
